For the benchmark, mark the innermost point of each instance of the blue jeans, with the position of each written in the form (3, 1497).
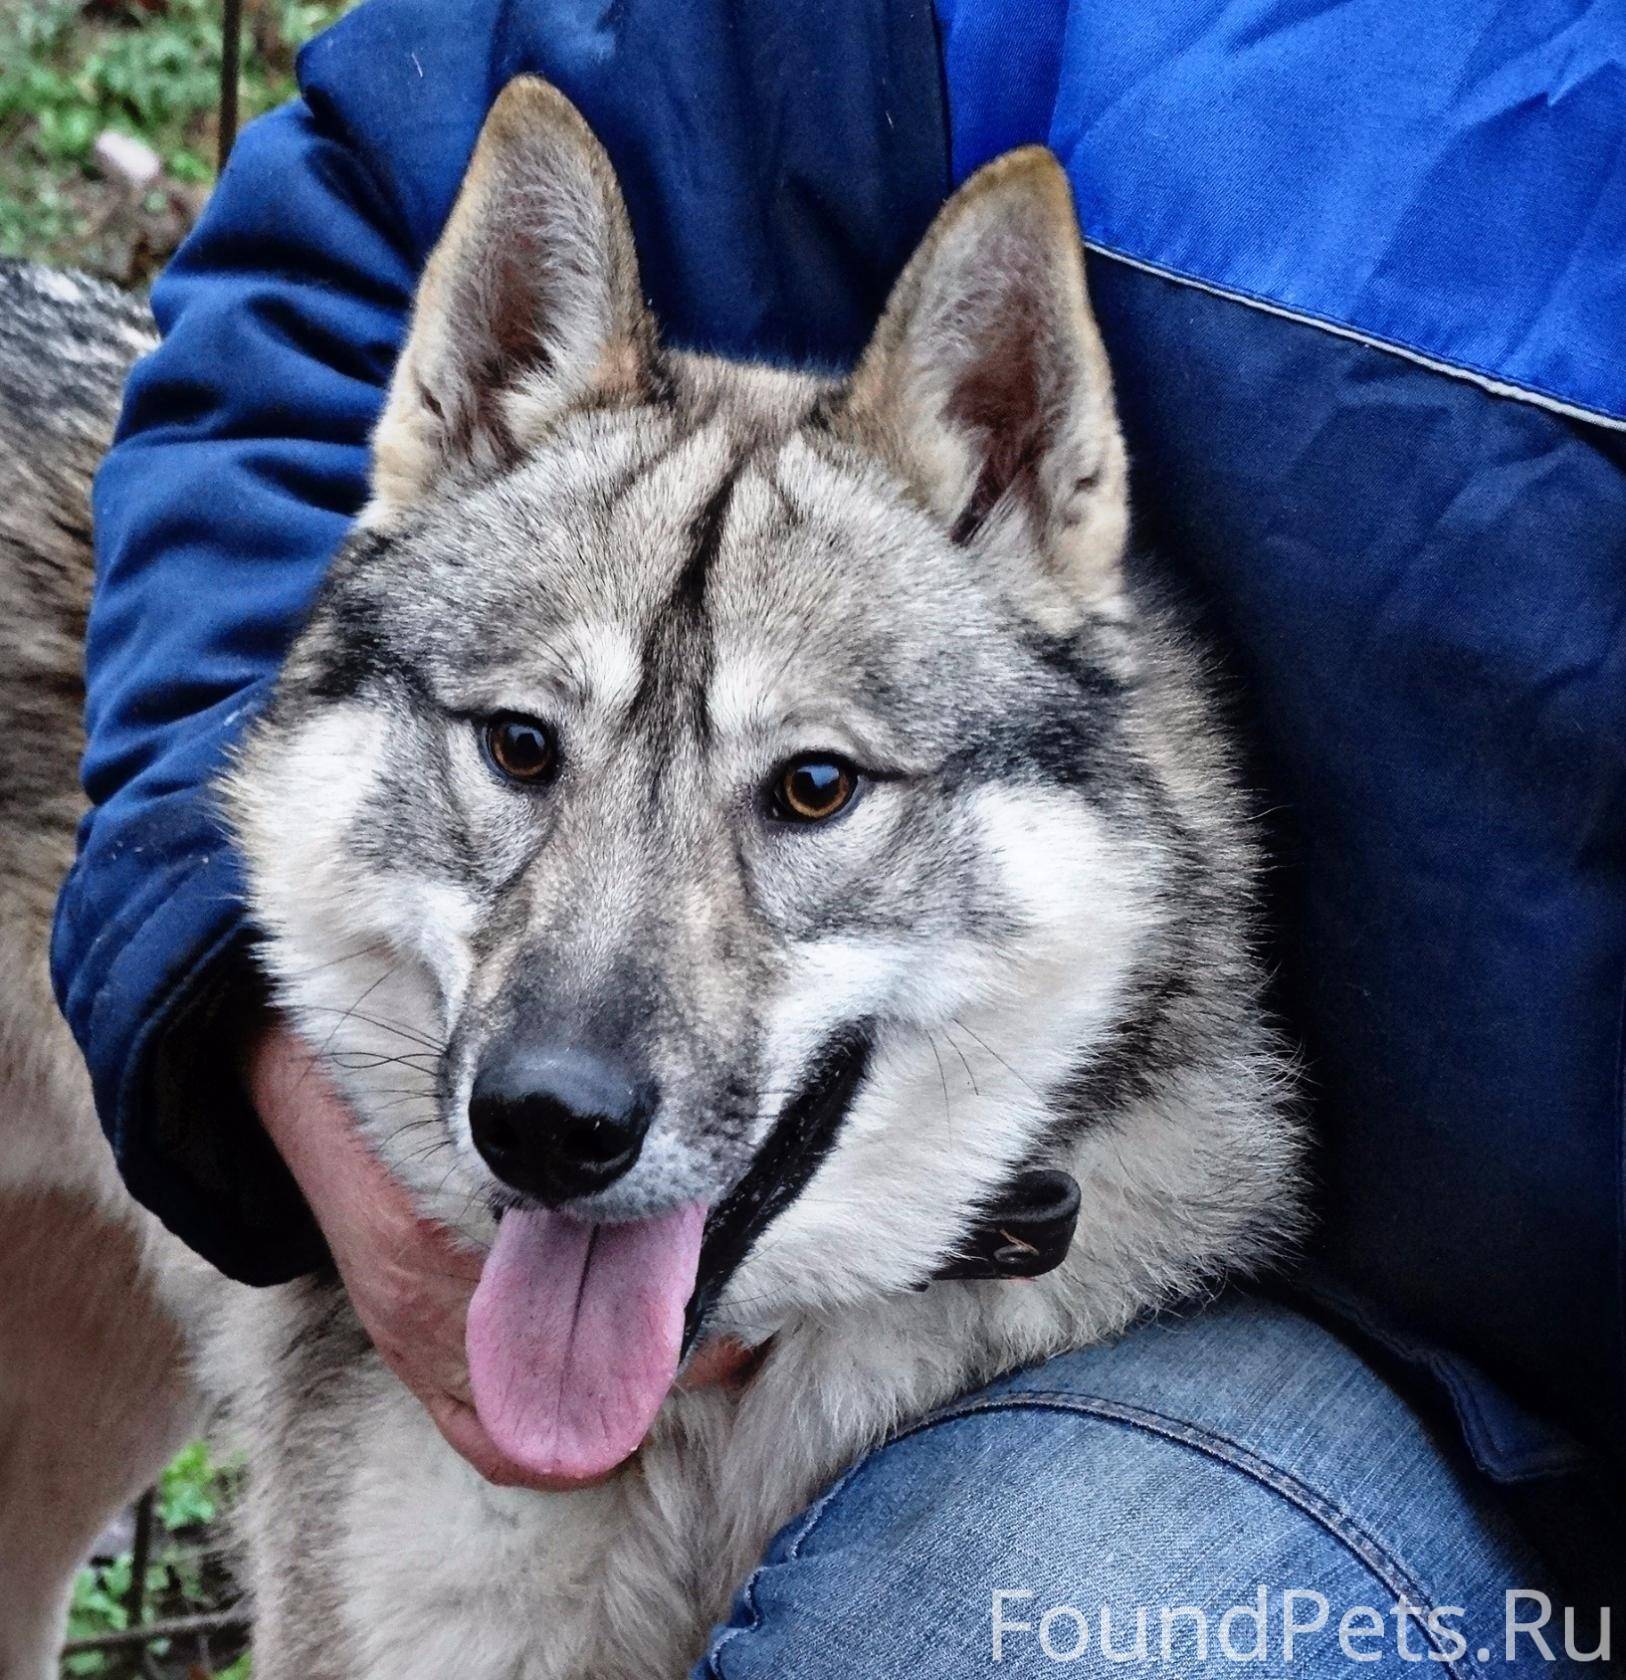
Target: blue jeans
(1236, 1482)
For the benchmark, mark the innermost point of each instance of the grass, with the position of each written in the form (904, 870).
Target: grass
(186, 1575)
(149, 69)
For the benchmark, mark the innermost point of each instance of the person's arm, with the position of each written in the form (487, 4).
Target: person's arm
(241, 456)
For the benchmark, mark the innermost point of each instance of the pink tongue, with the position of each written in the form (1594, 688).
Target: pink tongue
(574, 1335)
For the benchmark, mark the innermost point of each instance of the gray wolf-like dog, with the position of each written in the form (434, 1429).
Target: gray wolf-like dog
(708, 775)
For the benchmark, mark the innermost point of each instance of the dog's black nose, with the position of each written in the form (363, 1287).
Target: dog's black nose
(558, 1123)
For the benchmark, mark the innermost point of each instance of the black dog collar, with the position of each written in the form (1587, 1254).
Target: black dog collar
(1023, 1233)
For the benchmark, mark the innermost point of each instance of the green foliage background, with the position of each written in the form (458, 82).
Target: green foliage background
(69, 71)
(184, 1574)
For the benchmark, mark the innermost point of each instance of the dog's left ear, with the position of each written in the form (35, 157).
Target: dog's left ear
(987, 387)
(530, 305)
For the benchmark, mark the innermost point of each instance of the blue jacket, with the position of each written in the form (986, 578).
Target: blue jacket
(1362, 271)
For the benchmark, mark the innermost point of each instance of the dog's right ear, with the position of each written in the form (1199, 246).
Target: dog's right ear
(529, 305)
(986, 387)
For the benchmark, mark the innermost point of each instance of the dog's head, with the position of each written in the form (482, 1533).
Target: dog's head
(710, 792)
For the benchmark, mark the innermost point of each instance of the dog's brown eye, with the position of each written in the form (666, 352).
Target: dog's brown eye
(812, 789)
(520, 748)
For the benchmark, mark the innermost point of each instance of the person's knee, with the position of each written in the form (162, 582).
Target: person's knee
(1025, 1538)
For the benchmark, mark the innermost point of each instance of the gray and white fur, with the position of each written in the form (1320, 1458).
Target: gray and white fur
(1035, 911)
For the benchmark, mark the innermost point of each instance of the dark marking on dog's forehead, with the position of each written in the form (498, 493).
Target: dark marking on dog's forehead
(705, 529)
(706, 541)
(677, 657)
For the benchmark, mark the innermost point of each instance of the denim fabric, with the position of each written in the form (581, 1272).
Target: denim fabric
(1188, 1466)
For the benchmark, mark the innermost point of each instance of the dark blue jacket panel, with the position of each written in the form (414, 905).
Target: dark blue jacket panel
(1420, 592)
(777, 177)
(1375, 217)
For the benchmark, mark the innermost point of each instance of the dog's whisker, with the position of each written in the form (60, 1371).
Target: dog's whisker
(335, 962)
(999, 1058)
(417, 1036)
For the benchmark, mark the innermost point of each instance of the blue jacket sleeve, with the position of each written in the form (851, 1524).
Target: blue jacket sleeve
(240, 457)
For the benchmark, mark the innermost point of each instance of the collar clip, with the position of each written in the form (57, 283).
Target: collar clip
(1024, 1233)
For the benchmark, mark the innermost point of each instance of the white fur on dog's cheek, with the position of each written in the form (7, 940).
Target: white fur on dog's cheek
(370, 964)
(841, 981)
(830, 983)
(435, 920)
(295, 801)
(610, 667)
(1063, 871)
(956, 1103)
